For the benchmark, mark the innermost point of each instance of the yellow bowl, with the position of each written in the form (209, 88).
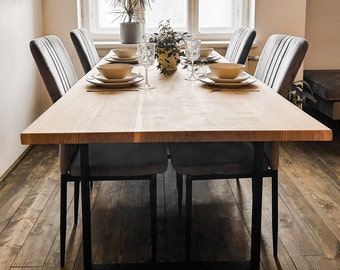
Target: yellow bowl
(125, 53)
(226, 70)
(115, 71)
(204, 52)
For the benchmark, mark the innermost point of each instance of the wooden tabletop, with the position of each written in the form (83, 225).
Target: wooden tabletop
(175, 111)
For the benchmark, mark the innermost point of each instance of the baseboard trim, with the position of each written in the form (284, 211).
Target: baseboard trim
(15, 164)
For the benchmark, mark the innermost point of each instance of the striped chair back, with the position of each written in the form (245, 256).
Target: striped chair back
(240, 45)
(85, 48)
(54, 65)
(280, 61)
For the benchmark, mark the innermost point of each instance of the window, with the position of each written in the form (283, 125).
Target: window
(200, 18)
(176, 11)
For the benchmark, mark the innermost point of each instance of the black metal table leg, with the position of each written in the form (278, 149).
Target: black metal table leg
(257, 182)
(85, 199)
(188, 207)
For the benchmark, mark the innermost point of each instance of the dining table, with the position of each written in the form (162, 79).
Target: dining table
(176, 110)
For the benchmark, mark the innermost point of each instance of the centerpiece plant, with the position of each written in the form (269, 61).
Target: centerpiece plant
(168, 46)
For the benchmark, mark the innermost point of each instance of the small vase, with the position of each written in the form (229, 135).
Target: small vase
(167, 62)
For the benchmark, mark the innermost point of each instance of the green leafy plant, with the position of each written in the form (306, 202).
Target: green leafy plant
(128, 9)
(300, 92)
(168, 42)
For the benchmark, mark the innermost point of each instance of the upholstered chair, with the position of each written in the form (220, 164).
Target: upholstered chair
(106, 161)
(277, 67)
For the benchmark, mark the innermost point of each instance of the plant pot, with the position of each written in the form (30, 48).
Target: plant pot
(130, 32)
(168, 62)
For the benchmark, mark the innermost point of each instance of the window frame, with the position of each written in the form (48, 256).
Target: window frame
(245, 11)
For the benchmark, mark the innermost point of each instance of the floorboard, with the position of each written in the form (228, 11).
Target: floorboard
(309, 217)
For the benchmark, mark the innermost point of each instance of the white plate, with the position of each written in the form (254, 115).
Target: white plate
(93, 80)
(240, 78)
(121, 60)
(209, 59)
(115, 57)
(209, 81)
(128, 78)
(213, 58)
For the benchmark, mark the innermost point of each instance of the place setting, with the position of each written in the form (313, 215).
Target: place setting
(122, 56)
(208, 55)
(119, 76)
(225, 76)
(114, 77)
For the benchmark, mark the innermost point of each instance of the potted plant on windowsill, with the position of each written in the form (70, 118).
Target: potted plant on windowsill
(129, 11)
(168, 50)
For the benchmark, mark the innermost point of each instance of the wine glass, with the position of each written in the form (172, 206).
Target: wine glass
(202, 68)
(146, 57)
(192, 52)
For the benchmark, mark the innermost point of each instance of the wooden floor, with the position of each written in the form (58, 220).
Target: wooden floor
(309, 223)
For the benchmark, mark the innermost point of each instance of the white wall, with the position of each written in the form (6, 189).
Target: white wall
(278, 16)
(60, 17)
(22, 98)
(322, 32)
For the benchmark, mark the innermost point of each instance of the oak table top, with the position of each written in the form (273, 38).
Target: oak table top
(177, 110)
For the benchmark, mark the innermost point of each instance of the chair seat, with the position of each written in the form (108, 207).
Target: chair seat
(212, 158)
(123, 160)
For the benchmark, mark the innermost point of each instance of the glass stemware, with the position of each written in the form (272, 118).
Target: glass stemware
(192, 52)
(146, 57)
(202, 68)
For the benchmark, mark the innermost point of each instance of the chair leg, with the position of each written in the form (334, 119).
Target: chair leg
(179, 182)
(153, 206)
(275, 210)
(63, 202)
(76, 200)
(188, 197)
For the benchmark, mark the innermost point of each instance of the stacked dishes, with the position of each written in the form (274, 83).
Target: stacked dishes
(207, 55)
(115, 76)
(122, 56)
(210, 58)
(205, 52)
(227, 75)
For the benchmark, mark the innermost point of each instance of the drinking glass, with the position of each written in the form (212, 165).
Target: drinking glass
(192, 52)
(146, 57)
